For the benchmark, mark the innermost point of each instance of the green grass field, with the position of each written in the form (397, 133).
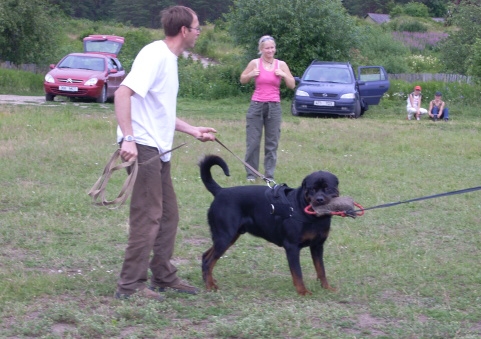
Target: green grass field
(408, 271)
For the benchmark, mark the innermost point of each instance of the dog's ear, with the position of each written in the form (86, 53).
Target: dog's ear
(303, 185)
(305, 190)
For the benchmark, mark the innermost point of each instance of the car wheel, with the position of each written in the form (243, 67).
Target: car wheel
(293, 109)
(49, 97)
(103, 96)
(357, 110)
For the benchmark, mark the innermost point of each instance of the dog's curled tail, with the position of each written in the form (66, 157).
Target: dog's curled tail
(205, 165)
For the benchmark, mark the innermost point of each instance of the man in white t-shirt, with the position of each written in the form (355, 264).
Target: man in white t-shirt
(145, 106)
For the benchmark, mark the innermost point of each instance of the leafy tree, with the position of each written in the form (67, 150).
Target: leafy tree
(474, 67)
(208, 10)
(416, 9)
(457, 49)
(304, 29)
(28, 31)
(140, 13)
(437, 8)
(88, 9)
(396, 11)
(362, 7)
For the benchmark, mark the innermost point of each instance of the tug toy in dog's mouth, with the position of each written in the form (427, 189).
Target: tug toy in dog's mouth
(342, 206)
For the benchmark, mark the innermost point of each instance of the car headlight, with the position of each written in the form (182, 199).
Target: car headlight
(302, 93)
(348, 96)
(91, 82)
(49, 78)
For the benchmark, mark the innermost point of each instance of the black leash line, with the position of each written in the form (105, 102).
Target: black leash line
(466, 190)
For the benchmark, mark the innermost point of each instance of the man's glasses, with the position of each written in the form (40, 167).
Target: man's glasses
(198, 29)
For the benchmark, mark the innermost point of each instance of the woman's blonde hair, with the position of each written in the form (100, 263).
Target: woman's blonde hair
(264, 39)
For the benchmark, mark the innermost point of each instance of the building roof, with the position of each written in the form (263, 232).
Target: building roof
(382, 18)
(378, 18)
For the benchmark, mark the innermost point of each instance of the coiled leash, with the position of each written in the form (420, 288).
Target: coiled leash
(97, 192)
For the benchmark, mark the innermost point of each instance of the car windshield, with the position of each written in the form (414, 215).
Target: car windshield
(328, 74)
(83, 62)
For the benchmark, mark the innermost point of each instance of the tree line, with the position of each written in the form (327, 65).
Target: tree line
(30, 30)
(145, 13)
(139, 13)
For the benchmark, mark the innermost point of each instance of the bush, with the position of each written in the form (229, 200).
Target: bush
(378, 48)
(135, 40)
(212, 82)
(20, 82)
(217, 44)
(424, 64)
(406, 24)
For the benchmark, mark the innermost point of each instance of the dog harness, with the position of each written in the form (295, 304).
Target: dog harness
(277, 198)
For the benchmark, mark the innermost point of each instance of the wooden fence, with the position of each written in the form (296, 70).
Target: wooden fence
(423, 77)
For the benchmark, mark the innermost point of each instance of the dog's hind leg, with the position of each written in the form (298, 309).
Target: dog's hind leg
(208, 263)
(210, 258)
(317, 257)
(293, 258)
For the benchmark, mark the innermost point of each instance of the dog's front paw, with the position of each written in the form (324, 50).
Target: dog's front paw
(211, 286)
(304, 291)
(328, 287)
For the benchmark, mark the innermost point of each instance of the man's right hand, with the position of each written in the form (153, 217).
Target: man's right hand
(128, 150)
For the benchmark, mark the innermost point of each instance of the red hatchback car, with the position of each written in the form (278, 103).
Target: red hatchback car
(96, 73)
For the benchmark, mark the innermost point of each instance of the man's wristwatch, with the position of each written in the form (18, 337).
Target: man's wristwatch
(129, 138)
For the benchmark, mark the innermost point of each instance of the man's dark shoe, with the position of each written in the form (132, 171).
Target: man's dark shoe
(144, 293)
(181, 287)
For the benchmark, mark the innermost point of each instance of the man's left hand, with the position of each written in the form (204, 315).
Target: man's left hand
(206, 134)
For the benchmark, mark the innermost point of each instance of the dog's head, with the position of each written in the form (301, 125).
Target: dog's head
(319, 188)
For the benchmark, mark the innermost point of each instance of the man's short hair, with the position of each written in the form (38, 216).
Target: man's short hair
(173, 18)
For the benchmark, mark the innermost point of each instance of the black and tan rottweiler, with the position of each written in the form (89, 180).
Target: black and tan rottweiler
(275, 214)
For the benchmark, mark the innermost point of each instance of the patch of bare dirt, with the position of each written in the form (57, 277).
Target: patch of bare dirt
(21, 99)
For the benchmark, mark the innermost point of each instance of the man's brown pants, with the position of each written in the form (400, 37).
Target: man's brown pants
(154, 218)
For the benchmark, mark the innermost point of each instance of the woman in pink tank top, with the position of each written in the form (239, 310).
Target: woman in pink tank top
(265, 112)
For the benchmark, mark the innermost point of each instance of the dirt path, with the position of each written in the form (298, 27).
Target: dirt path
(21, 99)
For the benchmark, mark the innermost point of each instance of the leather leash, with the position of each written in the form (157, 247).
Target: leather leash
(462, 191)
(268, 181)
(97, 192)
